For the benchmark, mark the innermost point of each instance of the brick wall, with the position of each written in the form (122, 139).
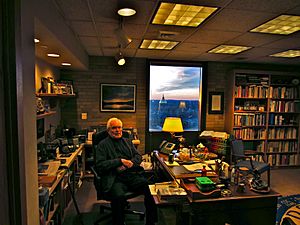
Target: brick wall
(87, 87)
(105, 70)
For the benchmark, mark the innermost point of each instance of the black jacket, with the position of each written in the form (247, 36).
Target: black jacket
(107, 161)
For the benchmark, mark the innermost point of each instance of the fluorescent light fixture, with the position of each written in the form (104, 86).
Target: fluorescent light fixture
(182, 15)
(54, 55)
(36, 40)
(158, 44)
(229, 49)
(126, 12)
(283, 24)
(120, 59)
(66, 64)
(287, 54)
(122, 38)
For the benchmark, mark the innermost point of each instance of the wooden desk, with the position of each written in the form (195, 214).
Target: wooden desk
(177, 172)
(66, 179)
(248, 208)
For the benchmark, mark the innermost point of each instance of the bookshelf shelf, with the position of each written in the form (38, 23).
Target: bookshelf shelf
(264, 111)
(283, 153)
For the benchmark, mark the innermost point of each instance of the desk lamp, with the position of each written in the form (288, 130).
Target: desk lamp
(173, 125)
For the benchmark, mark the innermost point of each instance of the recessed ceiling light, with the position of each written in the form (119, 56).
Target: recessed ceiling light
(158, 44)
(55, 55)
(229, 49)
(36, 40)
(126, 12)
(182, 15)
(287, 54)
(66, 64)
(284, 24)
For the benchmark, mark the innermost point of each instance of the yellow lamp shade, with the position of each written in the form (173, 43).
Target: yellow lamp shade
(172, 124)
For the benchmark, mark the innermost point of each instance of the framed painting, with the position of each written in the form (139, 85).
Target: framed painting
(117, 97)
(216, 103)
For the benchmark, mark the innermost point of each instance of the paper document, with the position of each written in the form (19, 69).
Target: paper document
(152, 189)
(207, 133)
(49, 168)
(196, 166)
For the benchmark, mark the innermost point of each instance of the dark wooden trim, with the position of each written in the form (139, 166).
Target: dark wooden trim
(10, 9)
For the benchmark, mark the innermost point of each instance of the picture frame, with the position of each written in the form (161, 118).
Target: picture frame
(65, 87)
(117, 97)
(216, 102)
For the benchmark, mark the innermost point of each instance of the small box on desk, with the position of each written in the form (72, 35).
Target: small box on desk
(205, 184)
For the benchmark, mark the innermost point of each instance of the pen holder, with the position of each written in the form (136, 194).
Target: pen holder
(171, 158)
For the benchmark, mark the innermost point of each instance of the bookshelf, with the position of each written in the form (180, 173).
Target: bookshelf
(264, 111)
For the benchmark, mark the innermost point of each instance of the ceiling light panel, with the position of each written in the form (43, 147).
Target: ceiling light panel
(284, 24)
(287, 54)
(182, 15)
(229, 49)
(158, 44)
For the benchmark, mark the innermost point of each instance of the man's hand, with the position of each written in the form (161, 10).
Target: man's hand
(127, 163)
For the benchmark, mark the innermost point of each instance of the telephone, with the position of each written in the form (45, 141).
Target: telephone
(166, 147)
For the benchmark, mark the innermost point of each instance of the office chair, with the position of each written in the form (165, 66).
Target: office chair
(256, 168)
(96, 138)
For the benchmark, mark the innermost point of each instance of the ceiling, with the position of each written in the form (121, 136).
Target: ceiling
(93, 23)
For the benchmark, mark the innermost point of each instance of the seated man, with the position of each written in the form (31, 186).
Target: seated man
(118, 162)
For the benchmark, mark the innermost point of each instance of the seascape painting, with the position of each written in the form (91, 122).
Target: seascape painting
(117, 97)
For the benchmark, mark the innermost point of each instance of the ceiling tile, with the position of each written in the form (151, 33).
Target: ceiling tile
(212, 36)
(194, 47)
(211, 57)
(277, 6)
(151, 53)
(94, 51)
(89, 41)
(106, 29)
(74, 10)
(85, 28)
(286, 43)
(254, 39)
(237, 20)
(294, 11)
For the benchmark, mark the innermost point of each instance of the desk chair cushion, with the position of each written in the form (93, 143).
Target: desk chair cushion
(260, 167)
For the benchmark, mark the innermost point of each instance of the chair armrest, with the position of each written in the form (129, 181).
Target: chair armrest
(241, 156)
(252, 152)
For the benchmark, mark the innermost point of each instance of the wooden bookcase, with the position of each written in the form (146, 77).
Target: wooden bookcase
(264, 111)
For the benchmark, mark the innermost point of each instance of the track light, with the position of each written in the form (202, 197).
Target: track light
(122, 38)
(120, 59)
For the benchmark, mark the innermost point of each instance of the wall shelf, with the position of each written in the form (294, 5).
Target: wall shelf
(40, 116)
(55, 95)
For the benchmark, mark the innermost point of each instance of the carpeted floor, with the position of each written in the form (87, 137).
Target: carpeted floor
(284, 181)
(287, 209)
